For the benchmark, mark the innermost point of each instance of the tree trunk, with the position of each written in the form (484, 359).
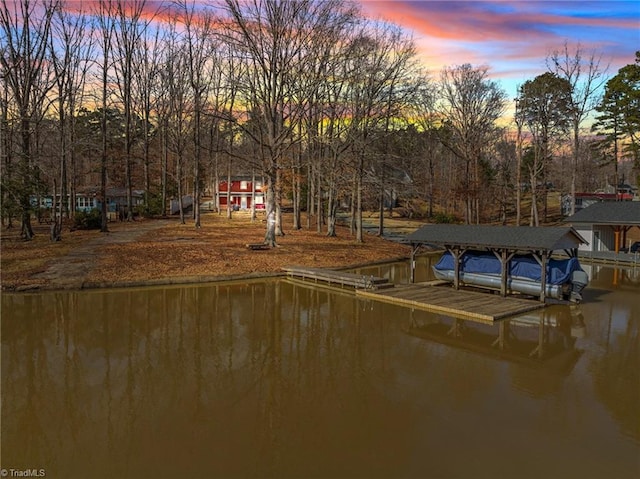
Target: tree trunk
(352, 206)
(319, 203)
(279, 231)
(270, 204)
(165, 165)
(359, 235)
(5, 155)
(310, 190)
(56, 226)
(381, 205)
(179, 181)
(229, 205)
(574, 168)
(253, 195)
(129, 187)
(331, 210)
(519, 175)
(103, 163)
(296, 198)
(26, 231)
(147, 173)
(196, 164)
(56, 230)
(534, 221)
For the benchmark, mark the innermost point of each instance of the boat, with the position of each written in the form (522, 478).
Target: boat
(565, 277)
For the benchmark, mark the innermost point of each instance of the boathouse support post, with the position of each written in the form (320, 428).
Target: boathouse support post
(457, 254)
(542, 258)
(543, 275)
(504, 257)
(503, 273)
(456, 271)
(412, 272)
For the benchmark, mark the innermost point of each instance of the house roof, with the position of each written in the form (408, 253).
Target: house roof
(517, 238)
(608, 213)
(111, 192)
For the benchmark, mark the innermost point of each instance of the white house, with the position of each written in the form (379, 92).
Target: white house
(608, 226)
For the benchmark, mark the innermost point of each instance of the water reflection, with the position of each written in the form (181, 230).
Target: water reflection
(218, 381)
(535, 338)
(278, 379)
(615, 359)
(400, 272)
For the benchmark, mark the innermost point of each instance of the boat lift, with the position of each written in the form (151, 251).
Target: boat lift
(503, 241)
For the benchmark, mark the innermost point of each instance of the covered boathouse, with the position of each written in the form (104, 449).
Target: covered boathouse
(503, 241)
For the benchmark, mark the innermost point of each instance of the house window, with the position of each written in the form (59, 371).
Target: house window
(244, 185)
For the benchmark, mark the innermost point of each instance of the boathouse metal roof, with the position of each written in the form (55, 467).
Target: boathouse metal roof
(609, 213)
(520, 238)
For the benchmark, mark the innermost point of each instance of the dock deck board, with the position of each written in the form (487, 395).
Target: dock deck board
(464, 304)
(341, 278)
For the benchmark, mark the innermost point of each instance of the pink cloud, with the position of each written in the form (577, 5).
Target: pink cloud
(484, 21)
(512, 36)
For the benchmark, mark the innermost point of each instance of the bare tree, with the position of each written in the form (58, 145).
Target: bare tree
(519, 121)
(6, 156)
(544, 107)
(503, 154)
(470, 104)
(25, 28)
(586, 77)
(175, 80)
(424, 117)
(198, 37)
(70, 46)
(129, 29)
(227, 72)
(323, 129)
(145, 94)
(379, 71)
(401, 86)
(222, 91)
(274, 38)
(104, 15)
(163, 106)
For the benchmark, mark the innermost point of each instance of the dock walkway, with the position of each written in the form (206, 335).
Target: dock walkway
(341, 278)
(464, 304)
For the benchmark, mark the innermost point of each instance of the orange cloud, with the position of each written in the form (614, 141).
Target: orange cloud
(513, 38)
(485, 21)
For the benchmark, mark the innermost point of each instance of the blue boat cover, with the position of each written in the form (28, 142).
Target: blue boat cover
(523, 266)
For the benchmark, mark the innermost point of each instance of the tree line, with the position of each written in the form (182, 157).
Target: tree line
(329, 109)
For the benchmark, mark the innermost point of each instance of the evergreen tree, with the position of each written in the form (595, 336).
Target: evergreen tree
(619, 118)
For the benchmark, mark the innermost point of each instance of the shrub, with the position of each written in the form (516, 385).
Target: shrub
(88, 220)
(153, 207)
(444, 218)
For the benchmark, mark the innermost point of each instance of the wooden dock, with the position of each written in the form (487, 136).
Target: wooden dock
(338, 278)
(479, 306)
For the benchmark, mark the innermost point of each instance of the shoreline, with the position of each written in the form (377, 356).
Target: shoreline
(177, 281)
(163, 252)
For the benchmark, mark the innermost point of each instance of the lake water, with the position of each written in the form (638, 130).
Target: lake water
(281, 379)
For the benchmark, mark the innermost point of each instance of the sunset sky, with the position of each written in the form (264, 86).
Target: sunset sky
(513, 37)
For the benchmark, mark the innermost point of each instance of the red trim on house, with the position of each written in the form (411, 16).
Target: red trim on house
(241, 194)
(238, 186)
